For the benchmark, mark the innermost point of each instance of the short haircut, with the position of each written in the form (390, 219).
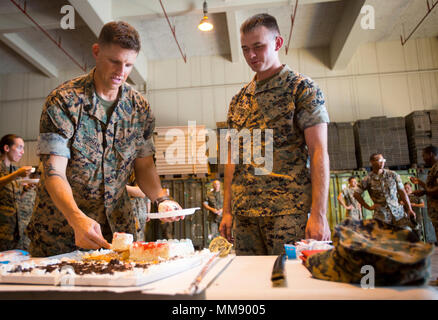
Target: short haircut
(351, 178)
(374, 155)
(8, 140)
(120, 33)
(258, 20)
(431, 149)
(407, 183)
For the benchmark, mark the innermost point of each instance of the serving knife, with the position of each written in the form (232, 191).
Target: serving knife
(278, 277)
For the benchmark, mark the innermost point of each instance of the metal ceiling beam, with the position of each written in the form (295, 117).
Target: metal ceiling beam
(44, 31)
(233, 35)
(141, 10)
(26, 50)
(17, 22)
(349, 34)
(172, 29)
(430, 7)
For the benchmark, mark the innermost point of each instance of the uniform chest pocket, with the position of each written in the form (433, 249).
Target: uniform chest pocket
(126, 144)
(278, 112)
(241, 112)
(86, 147)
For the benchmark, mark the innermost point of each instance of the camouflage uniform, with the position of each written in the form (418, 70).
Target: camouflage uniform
(356, 212)
(9, 197)
(287, 103)
(397, 255)
(101, 155)
(432, 202)
(426, 229)
(140, 211)
(214, 199)
(383, 191)
(25, 208)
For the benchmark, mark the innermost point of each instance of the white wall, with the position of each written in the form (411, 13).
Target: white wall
(383, 78)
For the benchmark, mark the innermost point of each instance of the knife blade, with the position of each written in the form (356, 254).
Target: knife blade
(278, 276)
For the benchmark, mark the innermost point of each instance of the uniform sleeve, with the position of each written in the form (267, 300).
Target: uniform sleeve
(362, 186)
(310, 105)
(146, 146)
(56, 129)
(399, 182)
(232, 116)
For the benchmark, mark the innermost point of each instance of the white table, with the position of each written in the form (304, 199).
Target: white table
(248, 277)
(243, 278)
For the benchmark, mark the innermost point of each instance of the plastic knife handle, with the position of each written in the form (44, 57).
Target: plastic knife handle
(278, 276)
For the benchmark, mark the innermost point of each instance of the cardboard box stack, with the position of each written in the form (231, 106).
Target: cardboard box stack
(341, 146)
(382, 135)
(422, 131)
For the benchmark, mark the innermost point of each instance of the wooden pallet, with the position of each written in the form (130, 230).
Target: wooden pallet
(186, 146)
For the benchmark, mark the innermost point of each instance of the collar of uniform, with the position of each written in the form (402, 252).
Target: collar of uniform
(91, 101)
(277, 81)
(3, 167)
(384, 173)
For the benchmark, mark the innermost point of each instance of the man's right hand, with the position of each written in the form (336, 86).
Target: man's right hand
(88, 234)
(226, 225)
(24, 171)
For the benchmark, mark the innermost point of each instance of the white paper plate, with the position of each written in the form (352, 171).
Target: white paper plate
(28, 180)
(170, 214)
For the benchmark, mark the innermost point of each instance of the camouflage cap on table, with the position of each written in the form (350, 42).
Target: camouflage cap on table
(397, 256)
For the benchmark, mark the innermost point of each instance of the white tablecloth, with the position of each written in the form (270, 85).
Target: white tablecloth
(234, 278)
(249, 277)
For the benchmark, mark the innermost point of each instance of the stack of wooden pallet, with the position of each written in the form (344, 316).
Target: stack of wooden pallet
(181, 150)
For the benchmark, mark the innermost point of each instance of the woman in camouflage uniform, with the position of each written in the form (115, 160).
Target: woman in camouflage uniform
(11, 150)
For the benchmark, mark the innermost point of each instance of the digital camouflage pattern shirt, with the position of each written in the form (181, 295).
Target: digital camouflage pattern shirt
(101, 155)
(383, 190)
(356, 212)
(288, 103)
(9, 196)
(432, 201)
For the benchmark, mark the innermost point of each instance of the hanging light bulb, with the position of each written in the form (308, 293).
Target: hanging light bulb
(205, 24)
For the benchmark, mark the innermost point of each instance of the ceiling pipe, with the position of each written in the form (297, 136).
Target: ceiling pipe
(292, 20)
(429, 10)
(173, 33)
(57, 43)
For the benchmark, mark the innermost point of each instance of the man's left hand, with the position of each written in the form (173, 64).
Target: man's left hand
(169, 205)
(412, 213)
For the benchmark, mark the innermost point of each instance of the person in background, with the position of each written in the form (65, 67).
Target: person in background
(384, 186)
(11, 192)
(348, 201)
(266, 208)
(425, 227)
(214, 204)
(430, 187)
(95, 130)
(141, 206)
(25, 209)
(167, 228)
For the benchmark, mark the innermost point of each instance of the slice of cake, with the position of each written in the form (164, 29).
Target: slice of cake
(148, 251)
(179, 248)
(121, 241)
